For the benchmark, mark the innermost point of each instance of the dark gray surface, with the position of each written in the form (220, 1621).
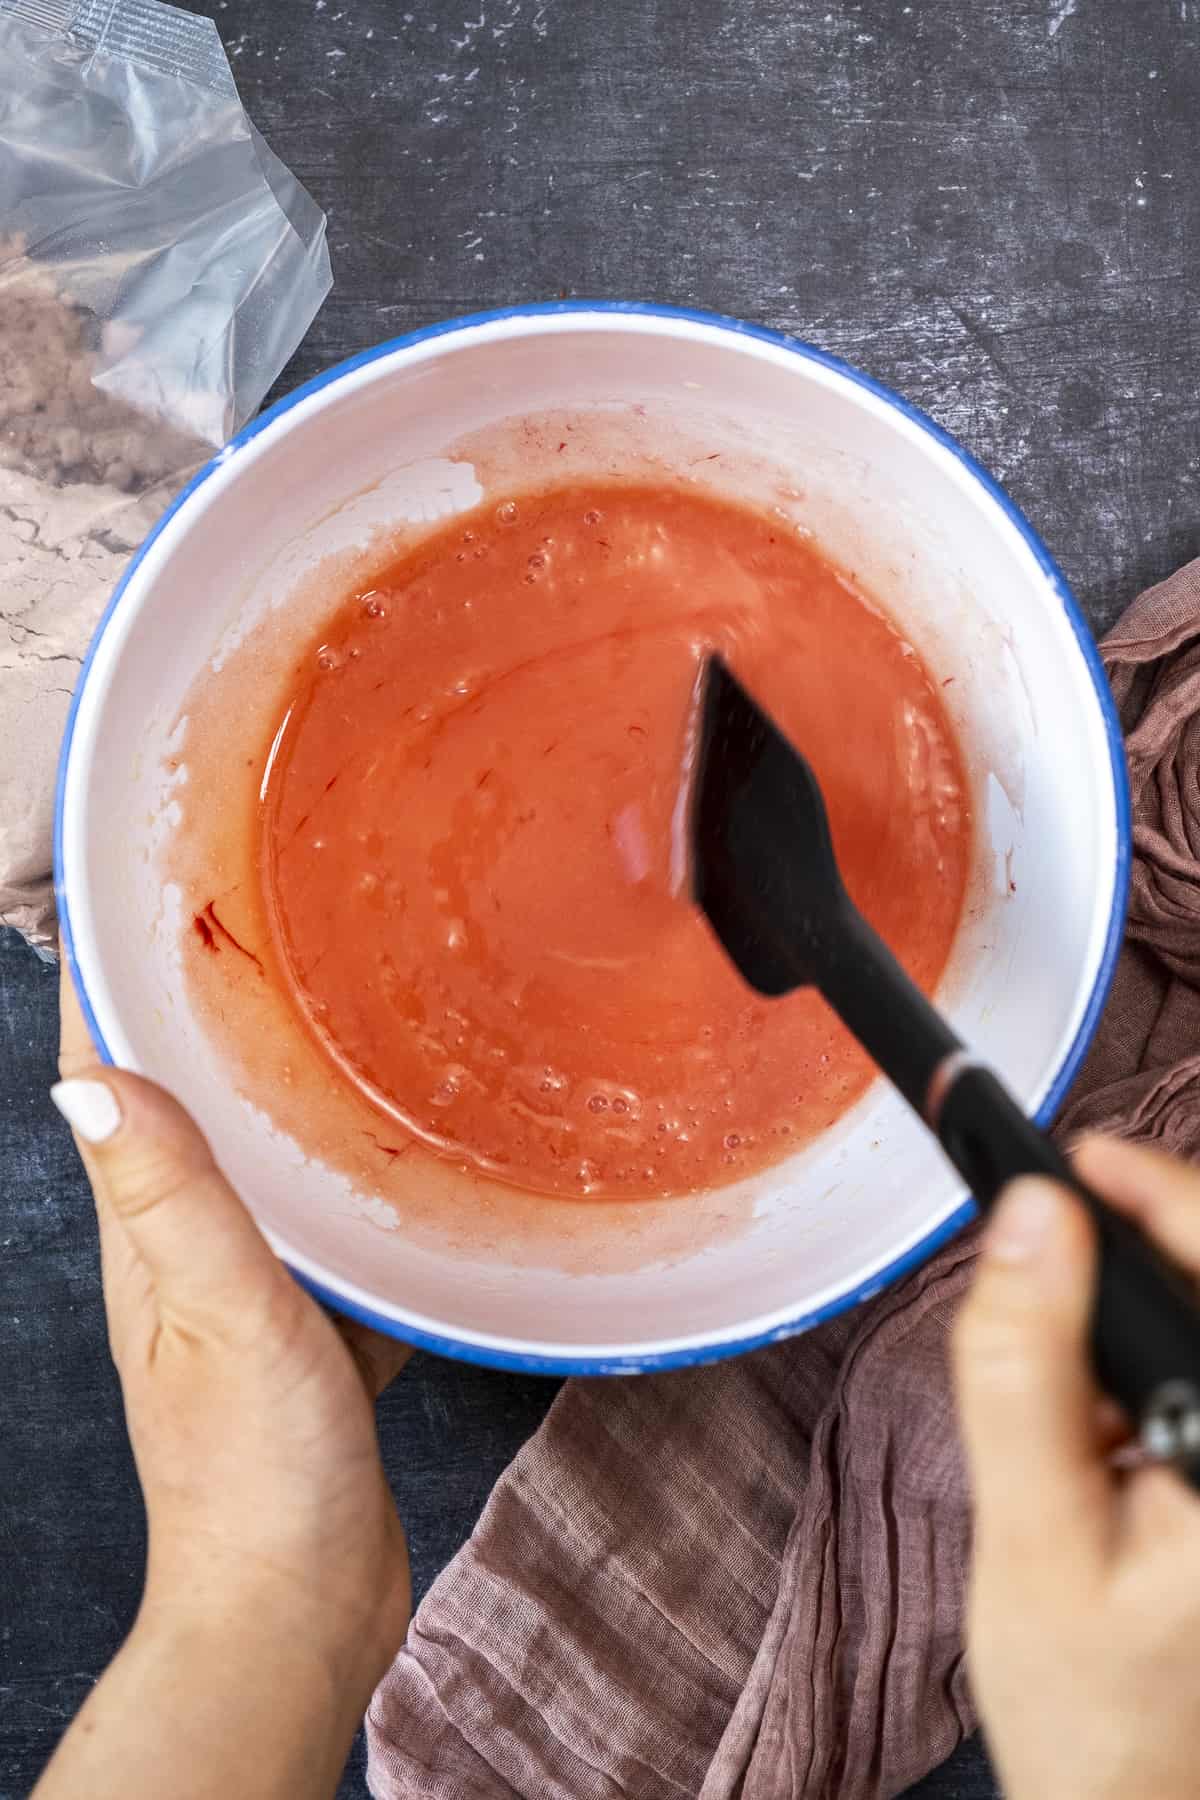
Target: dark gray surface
(991, 204)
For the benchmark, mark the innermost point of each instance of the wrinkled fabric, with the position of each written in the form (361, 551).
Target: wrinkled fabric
(746, 1582)
(1142, 1078)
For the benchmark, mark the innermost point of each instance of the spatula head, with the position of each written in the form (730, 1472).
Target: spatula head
(762, 862)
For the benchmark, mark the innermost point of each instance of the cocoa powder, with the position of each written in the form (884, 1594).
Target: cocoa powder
(83, 477)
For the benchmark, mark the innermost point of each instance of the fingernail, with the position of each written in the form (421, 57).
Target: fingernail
(89, 1107)
(1021, 1223)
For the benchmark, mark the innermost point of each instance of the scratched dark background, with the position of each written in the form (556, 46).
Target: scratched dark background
(993, 205)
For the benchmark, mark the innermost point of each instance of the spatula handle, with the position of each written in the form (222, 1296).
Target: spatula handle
(1145, 1322)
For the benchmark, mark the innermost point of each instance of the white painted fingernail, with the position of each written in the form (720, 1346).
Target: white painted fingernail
(90, 1109)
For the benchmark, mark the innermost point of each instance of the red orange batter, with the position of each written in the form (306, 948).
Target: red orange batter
(471, 836)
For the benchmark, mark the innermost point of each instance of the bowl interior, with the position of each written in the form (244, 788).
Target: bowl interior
(429, 427)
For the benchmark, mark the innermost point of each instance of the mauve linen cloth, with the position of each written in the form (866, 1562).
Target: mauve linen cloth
(748, 1580)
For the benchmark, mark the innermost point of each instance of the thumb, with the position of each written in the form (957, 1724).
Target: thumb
(152, 1170)
(1026, 1395)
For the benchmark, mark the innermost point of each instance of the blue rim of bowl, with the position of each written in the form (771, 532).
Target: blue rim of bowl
(530, 1363)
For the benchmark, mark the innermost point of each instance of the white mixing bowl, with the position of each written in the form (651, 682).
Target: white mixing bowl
(892, 499)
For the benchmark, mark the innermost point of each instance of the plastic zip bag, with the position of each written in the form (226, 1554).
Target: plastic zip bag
(127, 162)
(158, 266)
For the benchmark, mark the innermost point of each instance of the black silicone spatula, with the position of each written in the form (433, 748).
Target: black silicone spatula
(764, 872)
